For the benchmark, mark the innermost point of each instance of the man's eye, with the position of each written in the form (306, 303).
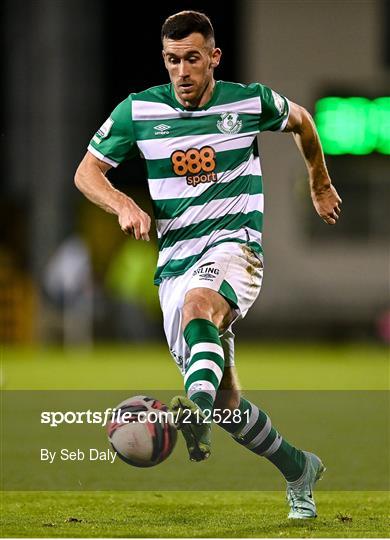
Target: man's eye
(193, 59)
(173, 60)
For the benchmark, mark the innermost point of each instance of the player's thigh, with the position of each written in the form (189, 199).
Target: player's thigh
(232, 270)
(171, 293)
(206, 303)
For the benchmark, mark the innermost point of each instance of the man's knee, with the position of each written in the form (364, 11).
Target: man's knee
(197, 306)
(202, 303)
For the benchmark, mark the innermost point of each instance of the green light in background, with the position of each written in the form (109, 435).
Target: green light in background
(353, 125)
(383, 112)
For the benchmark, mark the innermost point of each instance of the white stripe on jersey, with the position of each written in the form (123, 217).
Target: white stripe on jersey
(239, 204)
(149, 110)
(194, 246)
(174, 188)
(163, 148)
(100, 156)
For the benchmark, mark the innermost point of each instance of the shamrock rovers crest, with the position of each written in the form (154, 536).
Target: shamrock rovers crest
(229, 123)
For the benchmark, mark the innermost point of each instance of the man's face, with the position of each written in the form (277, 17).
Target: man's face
(190, 63)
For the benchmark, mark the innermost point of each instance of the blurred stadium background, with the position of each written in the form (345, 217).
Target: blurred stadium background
(67, 273)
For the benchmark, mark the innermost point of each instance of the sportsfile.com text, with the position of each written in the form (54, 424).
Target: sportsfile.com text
(56, 418)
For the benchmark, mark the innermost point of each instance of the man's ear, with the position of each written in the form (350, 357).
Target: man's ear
(215, 57)
(164, 58)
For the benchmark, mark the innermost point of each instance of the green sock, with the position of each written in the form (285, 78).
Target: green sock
(256, 433)
(205, 368)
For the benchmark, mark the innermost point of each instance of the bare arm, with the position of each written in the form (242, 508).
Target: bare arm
(90, 179)
(325, 198)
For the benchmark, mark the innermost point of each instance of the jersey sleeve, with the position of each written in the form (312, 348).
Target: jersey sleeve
(274, 110)
(114, 142)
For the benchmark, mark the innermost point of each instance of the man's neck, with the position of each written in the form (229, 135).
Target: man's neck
(204, 97)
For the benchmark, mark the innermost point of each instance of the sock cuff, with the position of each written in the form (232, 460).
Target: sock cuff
(201, 330)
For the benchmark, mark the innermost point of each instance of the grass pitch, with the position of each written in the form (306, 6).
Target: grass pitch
(186, 513)
(189, 514)
(260, 366)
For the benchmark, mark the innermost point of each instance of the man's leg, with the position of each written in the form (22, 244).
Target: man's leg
(205, 312)
(300, 469)
(257, 434)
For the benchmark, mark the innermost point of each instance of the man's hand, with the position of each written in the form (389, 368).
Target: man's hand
(325, 198)
(91, 180)
(134, 221)
(327, 203)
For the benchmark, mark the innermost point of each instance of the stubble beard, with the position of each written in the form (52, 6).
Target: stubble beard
(197, 98)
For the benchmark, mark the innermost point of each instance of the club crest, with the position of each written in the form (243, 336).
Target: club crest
(229, 123)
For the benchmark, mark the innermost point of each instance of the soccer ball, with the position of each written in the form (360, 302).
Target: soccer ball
(142, 433)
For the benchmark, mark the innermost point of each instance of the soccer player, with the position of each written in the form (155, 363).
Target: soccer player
(198, 137)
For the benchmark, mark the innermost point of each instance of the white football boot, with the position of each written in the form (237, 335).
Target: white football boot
(300, 493)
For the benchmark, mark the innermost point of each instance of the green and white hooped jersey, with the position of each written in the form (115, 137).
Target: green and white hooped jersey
(203, 166)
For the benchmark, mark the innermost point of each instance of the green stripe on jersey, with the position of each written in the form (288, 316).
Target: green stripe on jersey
(156, 94)
(229, 222)
(172, 208)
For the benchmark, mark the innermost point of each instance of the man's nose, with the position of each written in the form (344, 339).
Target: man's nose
(183, 69)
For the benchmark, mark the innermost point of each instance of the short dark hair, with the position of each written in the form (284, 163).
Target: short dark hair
(184, 23)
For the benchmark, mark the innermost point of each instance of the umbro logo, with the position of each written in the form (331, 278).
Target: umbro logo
(161, 129)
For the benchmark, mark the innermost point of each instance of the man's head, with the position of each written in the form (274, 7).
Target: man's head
(190, 55)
